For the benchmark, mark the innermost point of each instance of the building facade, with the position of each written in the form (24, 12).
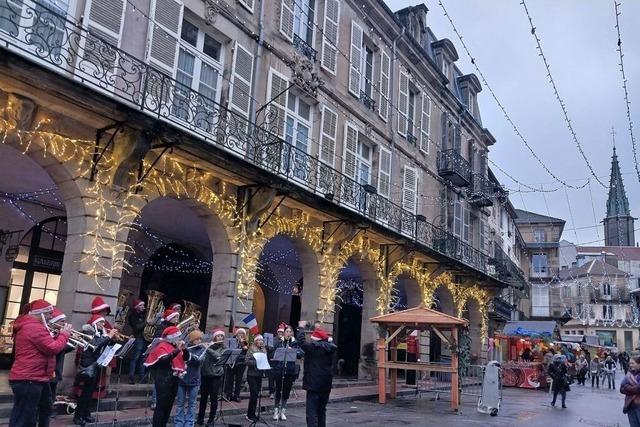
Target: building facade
(317, 160)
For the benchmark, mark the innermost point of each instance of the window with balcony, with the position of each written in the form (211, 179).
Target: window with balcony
(461, 220)
(366, 86)
(539, 263)
(296, 24)
(199, 68)
(296, 133)
(607, 312)
(540, 301)
(606, 290)
(566, 292)
(357, 155)
(539, 235)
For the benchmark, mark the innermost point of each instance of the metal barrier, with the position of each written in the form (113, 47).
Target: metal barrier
(471, 378)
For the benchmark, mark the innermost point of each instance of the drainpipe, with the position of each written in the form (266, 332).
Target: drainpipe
(257, 63)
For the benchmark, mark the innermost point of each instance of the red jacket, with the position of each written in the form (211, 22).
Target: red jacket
(35, 350)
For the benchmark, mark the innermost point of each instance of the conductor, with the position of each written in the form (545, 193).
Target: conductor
(317, 378)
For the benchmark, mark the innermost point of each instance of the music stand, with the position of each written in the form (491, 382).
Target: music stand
(229, 358)
(284, 355)
(121, 353)
(259, 419)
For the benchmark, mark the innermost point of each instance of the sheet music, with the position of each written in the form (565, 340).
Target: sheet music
(262, 363)
(107, 355)
(268, 339)
(232, 343)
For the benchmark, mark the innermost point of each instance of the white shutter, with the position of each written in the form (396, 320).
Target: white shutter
(248, 4)
(403, 103)
(385, 72)
(277, 109)
(410, 189)
(164, 33)
(329, 130)
(104, 18)
(355, 69)
(242, 76)
(350, 150)
(425, 123)
(466, 225)
(286, 19)
(330, 39)
(384, 172)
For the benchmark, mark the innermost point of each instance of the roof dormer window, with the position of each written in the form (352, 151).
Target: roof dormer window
(445, 67)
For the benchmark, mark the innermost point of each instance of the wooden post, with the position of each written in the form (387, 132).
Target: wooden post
(393, 373)
(455, 393)
(382, 371)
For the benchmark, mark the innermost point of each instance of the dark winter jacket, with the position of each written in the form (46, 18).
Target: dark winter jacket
(137, 322)
(194, 365)
(252, 364)
(209, 368)
(630, 387)
(558, 372)
(88, 356)
(60, 363)
(160, 328)
(318, 364)
(290, 368)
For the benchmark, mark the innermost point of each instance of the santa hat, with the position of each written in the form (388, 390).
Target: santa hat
(98, 304)
(240, 331)
(57, 315)
(175, 306)
(95, 319)
(40, 306)
(258, 337)
(319, 335)
(281, 327)
(217, 332)
(171, 332)
(137, 302)
(169, 314)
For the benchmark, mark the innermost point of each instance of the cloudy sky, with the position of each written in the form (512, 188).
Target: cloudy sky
(579, 40)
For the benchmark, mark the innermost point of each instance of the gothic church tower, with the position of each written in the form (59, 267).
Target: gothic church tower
(618, 225)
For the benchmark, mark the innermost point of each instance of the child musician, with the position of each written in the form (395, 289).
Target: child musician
(167, 360)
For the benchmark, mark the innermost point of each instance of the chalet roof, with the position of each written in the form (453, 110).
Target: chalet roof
(417, 316)
(597, 267)
(623, 253)
(525, 217)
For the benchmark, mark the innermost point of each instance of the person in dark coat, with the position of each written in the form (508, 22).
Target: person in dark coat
(318, 376)
(190, 383)
(58, 321)
(211, 381)
(234, 376)
(285, 373)
(169, 318)
(630, 387)
(558, 372)
(254, 375)
(137, 322)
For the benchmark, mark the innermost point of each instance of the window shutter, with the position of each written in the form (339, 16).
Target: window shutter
(425, 123)
(385, 72)
(277, 109)
(104, 18)
(286, 19)
(457, 138)
(164, 33)
(409, 189)
(350, 150)
(403, 103)
(444, 122)
(355, 69)
(384, 172)
(248, 4)
(242, 76)
(329, 130)
(330, 39)
(466, 226)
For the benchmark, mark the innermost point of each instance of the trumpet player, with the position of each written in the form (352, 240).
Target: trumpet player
(137, 322)
(88, 370)
(58, 322)
(35, 361)
(169, 318)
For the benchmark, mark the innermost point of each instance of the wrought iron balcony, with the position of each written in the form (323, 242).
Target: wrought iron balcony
(89, 60)
(411, 138)
(544, 272)
(506, 269)
(499, 309)
(454, 167)
(304, 48)
(367, 101)
(482, 191)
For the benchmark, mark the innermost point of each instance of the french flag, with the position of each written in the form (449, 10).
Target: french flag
(251, 323)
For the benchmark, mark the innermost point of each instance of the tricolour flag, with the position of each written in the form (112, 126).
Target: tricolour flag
(251, 323)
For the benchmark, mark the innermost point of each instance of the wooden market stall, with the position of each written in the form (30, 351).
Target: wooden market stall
(422, 319)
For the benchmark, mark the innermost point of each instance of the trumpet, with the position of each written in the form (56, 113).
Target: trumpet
(75, 343)
(119, 336)
(185, 322)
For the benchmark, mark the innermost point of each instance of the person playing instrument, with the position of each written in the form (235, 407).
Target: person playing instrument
(318, 376)
(137, 322)
(285, 373)
(190, 383)
(211, 377)
(270, 351)
(101, 308)
(58, 322)
(233, 380)
(169, 318)
(167, 360)
(254, 375)
(34, 364)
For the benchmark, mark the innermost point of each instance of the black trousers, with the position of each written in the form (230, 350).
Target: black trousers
(317, 408)
(595, 378)
(563, 395)
(84, 401)
(283, 390)
(31, 401)
(166, 390)
(411, 375)
(233, 380)
(254, 390)
(272, 384)
(209, 389)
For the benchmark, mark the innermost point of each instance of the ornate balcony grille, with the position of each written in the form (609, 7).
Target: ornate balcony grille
(454, 167)
(482, 191)
(367, 101)
(304, 48)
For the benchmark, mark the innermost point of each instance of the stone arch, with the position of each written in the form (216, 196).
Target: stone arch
(481, 297)
(476, 320)
(414, 271)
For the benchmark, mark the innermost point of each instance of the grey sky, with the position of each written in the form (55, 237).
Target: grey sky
(579, 40)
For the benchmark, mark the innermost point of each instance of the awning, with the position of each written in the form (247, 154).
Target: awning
(531, 328)
(572, 338)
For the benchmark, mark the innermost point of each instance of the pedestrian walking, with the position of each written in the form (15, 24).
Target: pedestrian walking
(630, 387)
(582, 367)
(560, 385)
(594, 368)
(610, 372)
(624, 361)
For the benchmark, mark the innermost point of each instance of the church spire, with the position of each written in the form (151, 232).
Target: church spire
(617, 203)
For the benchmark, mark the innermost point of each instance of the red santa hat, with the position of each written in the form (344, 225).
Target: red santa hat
(137, 303)
(217, 332)
(39, 306)
(57, 315)
(240, 331)
(172, 332)
(281, 327)
(319, 335)
(169, 314)
(175, 306)
(95, 319)
(258, 337)
(98, 304)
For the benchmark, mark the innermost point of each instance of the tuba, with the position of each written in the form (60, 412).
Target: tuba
(122, 309)
(155, 307)
(192, 309)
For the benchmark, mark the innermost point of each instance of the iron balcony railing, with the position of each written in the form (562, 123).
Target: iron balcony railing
(51, 40)
(304, 48)
(482, 191)
(454, 167)
(500, 309)
(367, 101)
